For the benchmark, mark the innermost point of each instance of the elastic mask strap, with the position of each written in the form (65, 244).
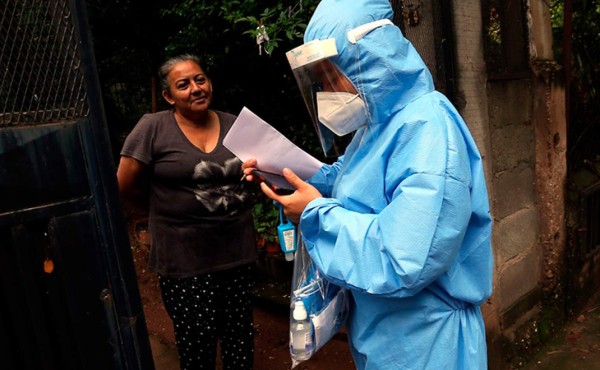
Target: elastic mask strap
(359, 32)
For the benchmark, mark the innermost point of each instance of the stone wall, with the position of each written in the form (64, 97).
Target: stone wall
(514, 199)
(519, 126)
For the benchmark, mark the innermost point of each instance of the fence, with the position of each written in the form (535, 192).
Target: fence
(41, 76)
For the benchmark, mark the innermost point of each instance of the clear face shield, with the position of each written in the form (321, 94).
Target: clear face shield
(333, 103)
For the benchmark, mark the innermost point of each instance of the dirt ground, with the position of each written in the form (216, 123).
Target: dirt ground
(271, 320)
(576, 346)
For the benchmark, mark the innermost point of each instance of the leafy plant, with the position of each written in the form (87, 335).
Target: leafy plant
(266, 218)
(278, 22)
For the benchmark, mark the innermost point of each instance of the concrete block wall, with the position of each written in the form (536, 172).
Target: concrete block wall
(516, 223)
(516, 214)
(519, 126)
(499, 115)
(511, 122)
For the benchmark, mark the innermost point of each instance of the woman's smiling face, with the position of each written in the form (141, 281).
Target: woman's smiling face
(190, 90)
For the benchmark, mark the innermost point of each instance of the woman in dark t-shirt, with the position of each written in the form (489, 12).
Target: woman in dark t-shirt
(199, 216)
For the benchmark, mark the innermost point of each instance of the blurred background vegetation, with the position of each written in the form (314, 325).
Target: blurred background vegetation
(576, 31)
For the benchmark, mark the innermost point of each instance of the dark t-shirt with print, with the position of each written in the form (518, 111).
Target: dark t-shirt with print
(200, 212)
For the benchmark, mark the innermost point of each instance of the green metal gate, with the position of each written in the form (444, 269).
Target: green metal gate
(68, 292)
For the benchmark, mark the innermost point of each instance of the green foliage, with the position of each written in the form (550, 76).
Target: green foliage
(557, 20)
(266, 219)
(214, 27)
(278, 21)
(586, 40)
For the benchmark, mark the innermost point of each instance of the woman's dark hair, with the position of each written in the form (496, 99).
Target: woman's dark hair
(165, 69)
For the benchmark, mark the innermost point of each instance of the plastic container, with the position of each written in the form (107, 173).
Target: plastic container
(302, 343)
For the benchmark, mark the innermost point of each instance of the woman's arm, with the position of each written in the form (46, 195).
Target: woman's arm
(133, 182)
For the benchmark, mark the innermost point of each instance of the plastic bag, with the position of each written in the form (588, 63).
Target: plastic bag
(325, 303)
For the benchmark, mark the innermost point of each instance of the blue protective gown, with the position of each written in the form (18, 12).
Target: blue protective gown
(404, 223)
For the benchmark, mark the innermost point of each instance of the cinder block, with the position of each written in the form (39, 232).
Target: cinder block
(518, 278)
(515, 234)
(512, 146)
(517, 95)
(514, 190)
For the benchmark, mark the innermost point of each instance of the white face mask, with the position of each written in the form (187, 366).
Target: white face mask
(341, 112)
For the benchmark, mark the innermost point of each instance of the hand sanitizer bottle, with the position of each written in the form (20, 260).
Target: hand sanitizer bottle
(301, 333)
(286, 232)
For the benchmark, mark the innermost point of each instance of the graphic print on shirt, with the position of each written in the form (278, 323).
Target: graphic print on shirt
(218, 186)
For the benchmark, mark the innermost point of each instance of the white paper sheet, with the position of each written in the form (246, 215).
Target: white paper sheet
(328, 322)
(251, 137)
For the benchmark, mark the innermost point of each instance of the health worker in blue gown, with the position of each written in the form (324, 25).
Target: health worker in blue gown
(402, 218)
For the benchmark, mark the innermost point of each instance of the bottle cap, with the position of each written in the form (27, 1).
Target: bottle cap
(299, 311)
